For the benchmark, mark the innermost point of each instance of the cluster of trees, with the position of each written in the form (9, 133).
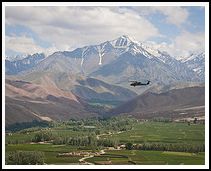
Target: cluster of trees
(76, 141)
(194, 148)
(162, 119)
(113, 123)
(24, 125)
(90, 140)
(42, 136)
(82, 140)
(108, 142)
(129, 146)
(24, 158)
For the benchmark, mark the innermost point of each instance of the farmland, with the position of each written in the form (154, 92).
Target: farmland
(149, 158)
(162, 133)
(120, 140)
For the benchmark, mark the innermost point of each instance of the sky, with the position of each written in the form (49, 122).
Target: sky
(179, 30)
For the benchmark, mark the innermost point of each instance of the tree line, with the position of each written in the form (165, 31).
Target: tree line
(193, 148)
(24, 125)
(90, 140)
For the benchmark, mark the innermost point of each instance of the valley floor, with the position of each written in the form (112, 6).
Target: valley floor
(146, 143)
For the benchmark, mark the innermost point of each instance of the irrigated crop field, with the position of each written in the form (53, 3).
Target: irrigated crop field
(141, 143)
(160, 132)
(149, 158)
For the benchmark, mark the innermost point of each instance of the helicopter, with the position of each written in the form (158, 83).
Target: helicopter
(138, 83)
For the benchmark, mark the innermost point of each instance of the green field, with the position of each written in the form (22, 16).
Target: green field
(160, 132)
(149, 158)
(117, 157)
(49, 150)
(149, 132)
(27, 137)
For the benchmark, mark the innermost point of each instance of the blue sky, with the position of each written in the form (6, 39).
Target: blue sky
(21, 30)
(195, 22)
(196, 19)
(175, 29)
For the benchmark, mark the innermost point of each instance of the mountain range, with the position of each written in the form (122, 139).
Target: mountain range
(187, 101)
(88, 76)
(15, 66)
(132, 55)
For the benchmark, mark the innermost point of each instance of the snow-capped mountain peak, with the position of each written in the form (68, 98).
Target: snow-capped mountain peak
(193, 56)
(123, 41)
(195, 62)
(16, 57)
(129, 44)
(123, 55)
(150, 49)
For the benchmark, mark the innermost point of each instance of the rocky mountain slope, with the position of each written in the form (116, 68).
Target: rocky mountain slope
(152, 104)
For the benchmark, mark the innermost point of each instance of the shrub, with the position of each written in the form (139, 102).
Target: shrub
(25, 158)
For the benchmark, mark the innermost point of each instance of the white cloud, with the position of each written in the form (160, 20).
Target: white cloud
(71, 27)
(22, 44)
(25, 45)
(187, 42)
(174, 14)
(183, 45)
